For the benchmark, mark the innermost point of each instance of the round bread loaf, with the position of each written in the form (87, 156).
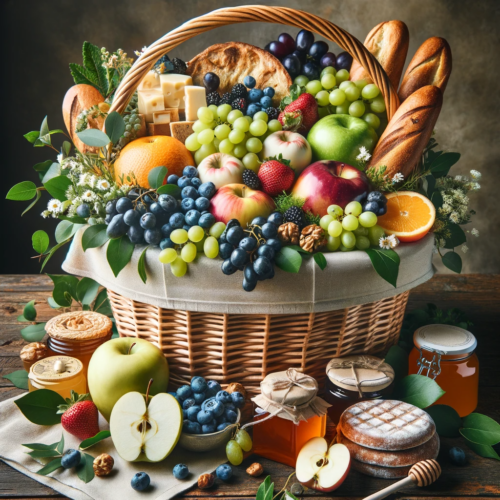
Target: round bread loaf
(380, 472)
(386, 425)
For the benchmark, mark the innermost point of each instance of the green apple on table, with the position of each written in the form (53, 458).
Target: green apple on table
(339, 137)
(125, 365)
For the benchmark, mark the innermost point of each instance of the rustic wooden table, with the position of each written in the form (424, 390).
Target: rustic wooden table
(477, 295)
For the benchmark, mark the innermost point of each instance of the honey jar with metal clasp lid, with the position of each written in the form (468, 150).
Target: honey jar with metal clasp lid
(445, 353)
(60, 374)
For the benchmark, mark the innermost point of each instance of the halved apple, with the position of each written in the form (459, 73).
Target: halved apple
(145, 429)
(322, 468)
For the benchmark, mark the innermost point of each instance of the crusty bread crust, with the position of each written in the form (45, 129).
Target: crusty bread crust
(431, 65)
(233, 61)
(403, 141)
(388, 42)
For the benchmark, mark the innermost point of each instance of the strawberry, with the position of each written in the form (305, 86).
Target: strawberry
(80, 416)
(276, 176)
(300, 115)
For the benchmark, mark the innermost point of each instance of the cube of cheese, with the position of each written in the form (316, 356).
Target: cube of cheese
(196, 97)
(181, 130)
(172, 87)
(150, 101)
(159, 129)
(162, 117)
(150, 81)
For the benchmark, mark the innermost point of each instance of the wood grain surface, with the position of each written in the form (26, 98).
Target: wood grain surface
(477, 295)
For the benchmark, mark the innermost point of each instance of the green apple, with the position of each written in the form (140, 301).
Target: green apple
(339, 137)
(124, 365)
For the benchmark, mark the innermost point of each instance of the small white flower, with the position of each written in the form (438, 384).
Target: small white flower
(446, 209)
(475, 175)
(393, 241)
(385, 243)
(138, 53)
(475, 232)
(54, 206)
(364, 155)
(103, 185)
(475, 186)
(458, 178)
(92, 181)
(465, 248)
(45, 214)
(88, 196)
(399, 177)
(83, 180)
(59, 158)
(454, 217)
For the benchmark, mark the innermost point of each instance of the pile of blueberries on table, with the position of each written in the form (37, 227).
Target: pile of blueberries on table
(375, 202)
(150, 219)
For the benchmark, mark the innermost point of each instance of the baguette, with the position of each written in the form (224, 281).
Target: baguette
(431, 65)
(388, 42)
(403, 141)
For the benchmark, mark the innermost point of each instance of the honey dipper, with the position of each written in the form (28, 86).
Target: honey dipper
(422, 474)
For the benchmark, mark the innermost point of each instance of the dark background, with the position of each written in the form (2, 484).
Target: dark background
(40, 39)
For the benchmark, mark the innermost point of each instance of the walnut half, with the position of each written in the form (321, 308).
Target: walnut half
(289, 233)
(103, 464)
(312, 237)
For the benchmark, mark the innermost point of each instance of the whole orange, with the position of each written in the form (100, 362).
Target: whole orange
(144, 154)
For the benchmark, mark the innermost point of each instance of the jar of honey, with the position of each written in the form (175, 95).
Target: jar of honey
(352, 379)
(289, 413)
(60, 374)
(446, 354)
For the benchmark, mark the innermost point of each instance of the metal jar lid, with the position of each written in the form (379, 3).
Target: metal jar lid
(446, 339)
(56, 368)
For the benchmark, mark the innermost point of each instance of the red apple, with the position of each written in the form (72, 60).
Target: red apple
(221, 169)
(237, 201)
(322, 468)
(292, 146)
(326, 183)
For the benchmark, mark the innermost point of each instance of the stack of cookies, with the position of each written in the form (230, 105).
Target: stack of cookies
(386, 437)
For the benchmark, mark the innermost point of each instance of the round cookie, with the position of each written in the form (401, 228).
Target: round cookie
(380, 472)
(386, 425)
(402, 458)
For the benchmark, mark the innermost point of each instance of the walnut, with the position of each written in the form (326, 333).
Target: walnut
(289, 233)
(206, 481)
(255, 470)
(312, 237)
(34, 351)
(235, 387)
(103, 464)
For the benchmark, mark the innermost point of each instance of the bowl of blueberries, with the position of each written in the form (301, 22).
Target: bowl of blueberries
(210, 414)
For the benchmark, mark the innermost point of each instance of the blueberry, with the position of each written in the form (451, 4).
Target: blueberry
(249, 82)
(207, 189)
(249, 244)
(148, 221)
(123, 204)
(184, 392)
(239, 258)
(225, 250)
(108, 218)
(70, 459)
(190, 172)
(457, 456)
(147, 199)
(213, 388)
(136, 234)
(228, 406)
(249, 286)
(211, 81)
(181, 471)
(199, 397)
(215, 406)
(252, 109)
(237, 399)
(275, 244)
(141, 208)
(235, 235)
(269, 230)
(371, 206)
(176, 221)
(198, 384)
(255, 95)
(378, 197)
(206, 220)
(223, 396)
(134, 193)
(184, 414)
(382, 210)
(195, 182)
(205, 416)
(269, 92)
(117, 227)
(167, 202)
(262, 266)
(156, 209)
(172, 179)
(228, 268)
(192, 413)
(83, 210)
(131, 217)
(276, 218)
(208, 428)
(187, 403)
(192, 217)
(224, 471)
(140, 481)
(221, 419)
(152, 236)
(166, 243)
(191, 427)
(250, 274)
(259, 221)
(184, 182)
(188, 204)
(202, 203)
(266, 251)
(166, 230)
(189, 192)
(222, 426)
(266, 102)
(231, 416)
(233, 223)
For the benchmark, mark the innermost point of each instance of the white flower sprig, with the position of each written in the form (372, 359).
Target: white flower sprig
(399, 177)
(388, 242)
(363, 155)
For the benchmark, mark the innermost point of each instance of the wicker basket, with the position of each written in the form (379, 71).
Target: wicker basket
(244, 348)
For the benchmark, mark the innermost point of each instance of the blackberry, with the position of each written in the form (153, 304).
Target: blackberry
(239, 90)
(226, 98)
(180, 66)
(272, 113)
(251, 179)
(295, 215)
(213, 98)
(239, 103)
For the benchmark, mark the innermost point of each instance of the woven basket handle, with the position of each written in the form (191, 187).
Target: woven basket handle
(255, 13)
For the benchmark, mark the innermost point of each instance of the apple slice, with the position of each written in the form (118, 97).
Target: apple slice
(322, 468)
(145, 432)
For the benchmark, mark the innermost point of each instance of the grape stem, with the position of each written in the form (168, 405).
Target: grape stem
(284, 487)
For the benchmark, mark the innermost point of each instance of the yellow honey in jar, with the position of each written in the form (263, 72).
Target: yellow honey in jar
(60, 374)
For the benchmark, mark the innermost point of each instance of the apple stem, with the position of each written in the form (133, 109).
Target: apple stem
(149, 387)
(130, 348)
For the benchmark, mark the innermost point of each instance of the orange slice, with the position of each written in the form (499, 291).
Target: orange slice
(410, 216)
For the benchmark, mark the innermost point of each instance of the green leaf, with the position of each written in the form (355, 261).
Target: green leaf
(52, 251)
(141, 266)
(452, 261)
(397, 357)
(483, 450)
(74, 220)
(31, 205)
(83, 75)
(94, 137)
(288, 260)
(156, 177)
(40, 241)
(44, 129)
(93, 62)
(62, 294)
(447, 420)
(418, 390)
(457, 236)
(40, 407)
(66, 148)
(19, 378)
(102, 304)
(94, 236)
(29, 311)
(69, 279)
(86, 291)
(50, 467)
(114, 126)
(299, 249)
(119, 253)
(41, 446)
(23, 191)
(44, 453)
(57, 187)
(65, 230)
(437, 199)
(320, 259)
(52, 303)
(32, 136)
(42, 167)
(264, 488)
(100, 436)
(34, 333)
(170, 189)
(385, 263)
(481, 429)
(53, 171)
(60, 445)
(441, 165)
(85, 470)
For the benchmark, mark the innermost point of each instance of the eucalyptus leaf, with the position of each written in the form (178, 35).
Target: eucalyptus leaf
(66, 148)
(115, 126)
(41, 446)
(299, 249)
(156, 177)
(94, 137)
(418, 390)
(441, 165)
(385, 263)
(50, 467)
(42, 168)
(141, 266)
(40, 241)
(452, 261)
(100, 436)
(32, 204)
(457, 236)
(288, 260)
(119, 253)
(87, 290)
(19, 378)
(53, 171)
(398, 359)
(102, 304)
(66, 229)
(57, 187)
(32, 136)
(170, 189)
(52, 251)
(34, 333)
(447, 420)
(481, 429)
(69, 279)
(62, 294)
(94, 236)
(483, 450)
(29, 311)
(85, 470)
(44, 453)
(40, 407)
(23, 191)
(74, 220)
(60, 445)
(52, 303)
(320, 259)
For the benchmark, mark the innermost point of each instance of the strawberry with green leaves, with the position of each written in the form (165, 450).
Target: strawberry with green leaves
(276, 175)
(80, 416)
(300, 112)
